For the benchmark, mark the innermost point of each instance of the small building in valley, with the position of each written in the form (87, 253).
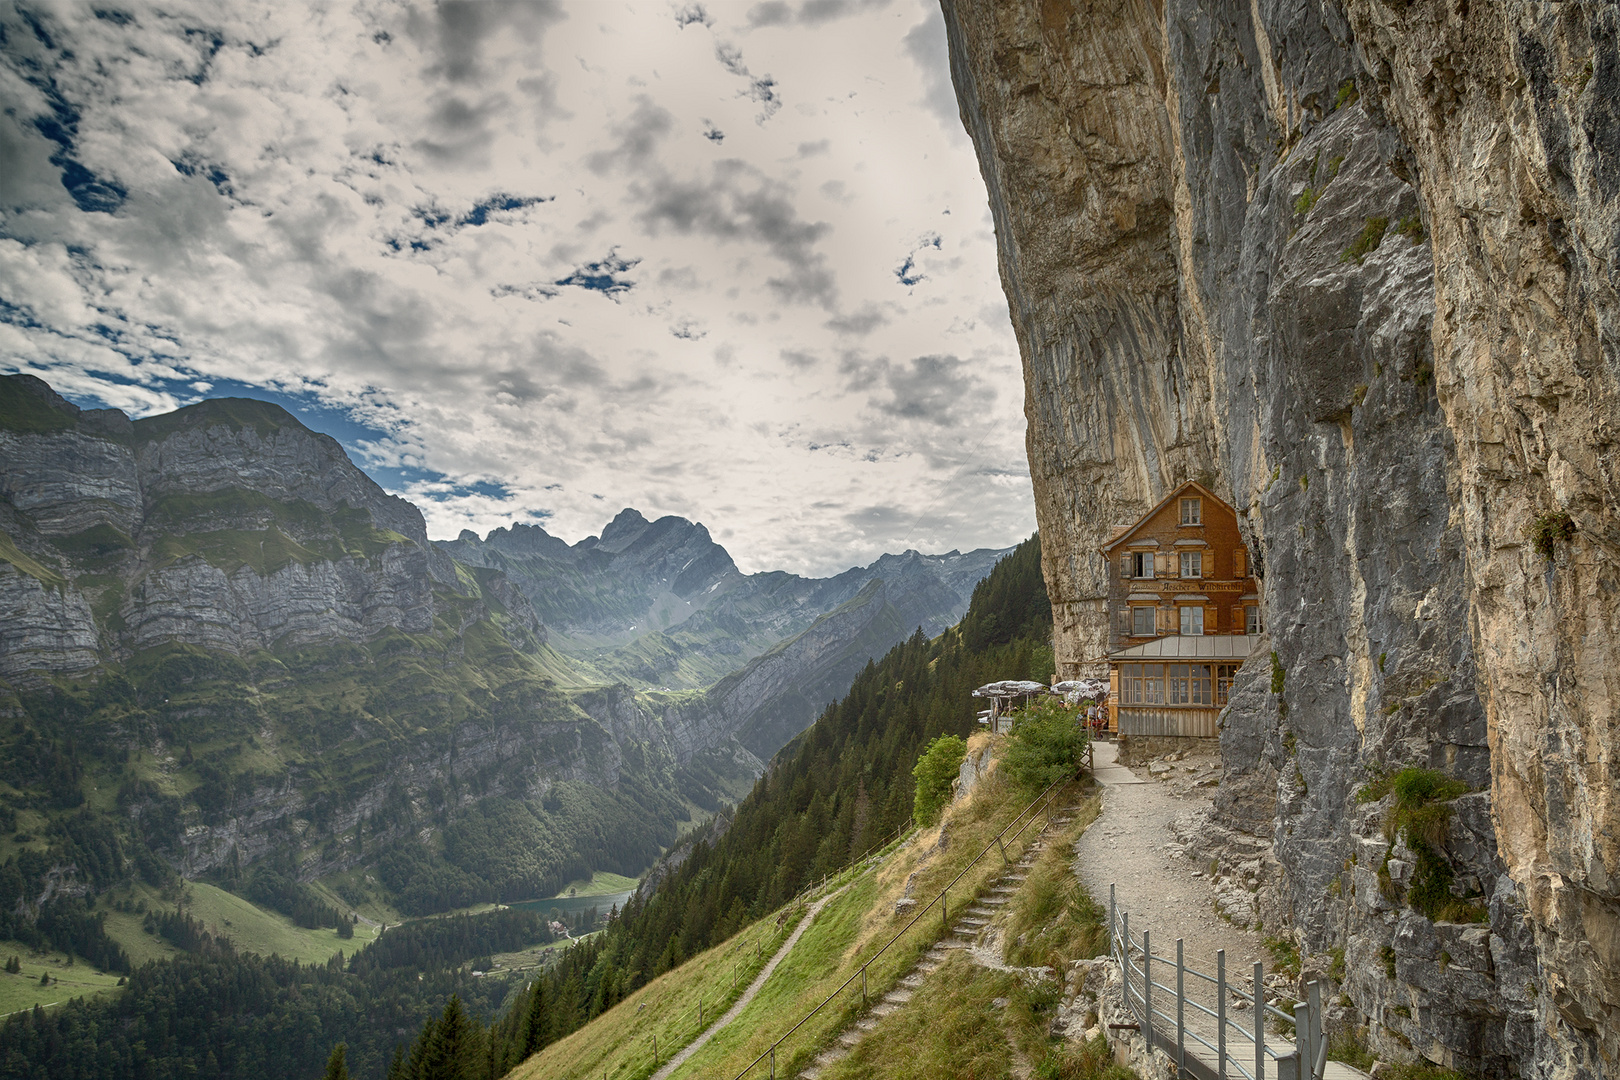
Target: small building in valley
(1184, 612)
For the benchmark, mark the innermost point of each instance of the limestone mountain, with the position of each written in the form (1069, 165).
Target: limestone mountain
(215, 615)
(1351, 266)
(659, 603)
(221, 641)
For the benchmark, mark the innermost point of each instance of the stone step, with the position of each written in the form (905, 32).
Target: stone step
(949, 943)
(882, 1009)
(897, 997)
(850, 1038)
(867, 1023)
(972, 920)
(914, 980)
(979, 911)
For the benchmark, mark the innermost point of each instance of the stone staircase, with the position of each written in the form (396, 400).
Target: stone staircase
(969, 924)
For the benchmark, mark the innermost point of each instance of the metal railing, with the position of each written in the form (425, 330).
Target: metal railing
(1000, 841)
(1306, 1060)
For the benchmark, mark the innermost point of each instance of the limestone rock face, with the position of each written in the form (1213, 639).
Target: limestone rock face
(1351, 266)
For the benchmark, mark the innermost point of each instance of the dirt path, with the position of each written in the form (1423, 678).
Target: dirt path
(748, 995)
(1130, 847)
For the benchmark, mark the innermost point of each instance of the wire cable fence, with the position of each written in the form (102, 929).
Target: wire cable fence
(999, 842)
(1139, 966)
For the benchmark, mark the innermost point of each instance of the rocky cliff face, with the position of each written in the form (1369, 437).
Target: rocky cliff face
(1351, 265)
(214, 613)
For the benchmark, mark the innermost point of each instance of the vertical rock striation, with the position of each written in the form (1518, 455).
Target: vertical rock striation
(1351, 265)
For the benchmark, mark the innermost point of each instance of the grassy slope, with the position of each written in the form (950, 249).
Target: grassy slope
(952, 1029)
(600, 883)
(850, 929)
(23, 991)
(853, 928)
(619, 1042)
(251, 928)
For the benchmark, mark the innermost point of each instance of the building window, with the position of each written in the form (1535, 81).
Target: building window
(1192, 564)
(1142, 622)
(1192, 620)
(1201, 693)
(1192, 511)
(1139, 564)
(1141, 684)
(1240, 563)
(1177, 685)
(1223, 683)
(1251, 620)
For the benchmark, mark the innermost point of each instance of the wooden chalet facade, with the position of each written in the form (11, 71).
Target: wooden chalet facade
(1184, 612)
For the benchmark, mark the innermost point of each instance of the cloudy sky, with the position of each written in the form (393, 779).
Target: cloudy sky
(533, 262)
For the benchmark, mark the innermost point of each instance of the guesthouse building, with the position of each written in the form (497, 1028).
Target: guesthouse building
(1184, 612)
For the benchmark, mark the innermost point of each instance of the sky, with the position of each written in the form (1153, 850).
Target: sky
(534, 262)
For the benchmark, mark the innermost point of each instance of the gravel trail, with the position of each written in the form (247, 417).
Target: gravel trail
(1131, 847)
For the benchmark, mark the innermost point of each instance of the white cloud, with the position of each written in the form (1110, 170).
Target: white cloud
(506, 241)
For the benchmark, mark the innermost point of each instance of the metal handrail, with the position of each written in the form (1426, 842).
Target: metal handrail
(1000, 840)
(1308, 1058)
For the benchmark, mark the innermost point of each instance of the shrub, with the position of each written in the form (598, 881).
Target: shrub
(1048, 742)
(1411, 226)
(1348, 95)
(1372, 234)
(936, 767)
(1546, 531)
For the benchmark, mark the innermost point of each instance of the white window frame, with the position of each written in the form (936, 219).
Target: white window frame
(1136, 622)
(1141, 563)
(1192, 620)
(1253, 620)
(1192, 564)
(1192, 510)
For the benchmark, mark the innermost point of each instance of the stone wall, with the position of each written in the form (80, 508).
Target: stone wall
(1350, 266)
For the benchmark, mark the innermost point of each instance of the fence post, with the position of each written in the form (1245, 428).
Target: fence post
(1125, 952)
(1181, 1010)
(1259, 1021)
(1147, 993)
(863, 986)
(944, 908)
(1111, 919)
(773, 1061)
(1220, 1014)
(1004, 860)
(655, 1050)
(700, 1014)
(1318, 1036)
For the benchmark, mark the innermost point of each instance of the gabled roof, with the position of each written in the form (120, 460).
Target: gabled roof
(1131, 530)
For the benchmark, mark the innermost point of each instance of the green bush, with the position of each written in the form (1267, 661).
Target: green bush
(1048, 742)
(1547, 530)
(936, 767)
(1372, 234)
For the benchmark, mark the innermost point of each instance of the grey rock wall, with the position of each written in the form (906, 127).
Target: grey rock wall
(1351, 266)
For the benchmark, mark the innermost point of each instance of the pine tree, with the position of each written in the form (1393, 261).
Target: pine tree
(337, 1067)
(537, 1032)
(396, 1067)
(455, 1049)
